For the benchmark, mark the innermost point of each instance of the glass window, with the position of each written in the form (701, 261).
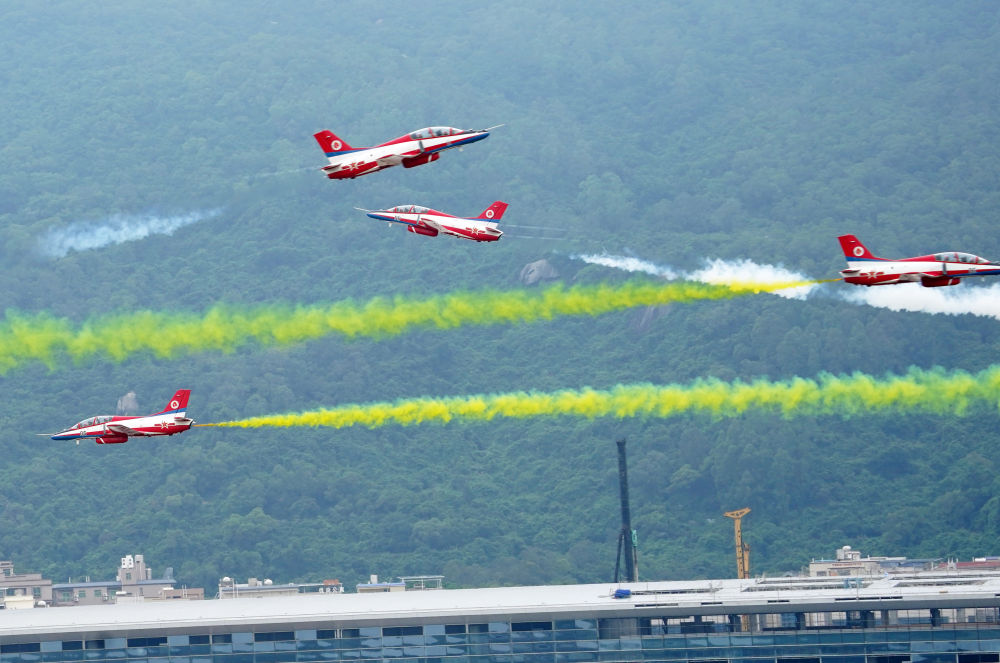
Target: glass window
(530, 636)
(563, 624)
(932, 658)
(16, 648)
(540, 658)
(454, 628)
(533, 647)
(273, 636)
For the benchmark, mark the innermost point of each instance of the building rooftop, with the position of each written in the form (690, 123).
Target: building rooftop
(659, 599)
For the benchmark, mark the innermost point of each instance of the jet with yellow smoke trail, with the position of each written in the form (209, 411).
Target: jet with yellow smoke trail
(934, 391)
(117, 429)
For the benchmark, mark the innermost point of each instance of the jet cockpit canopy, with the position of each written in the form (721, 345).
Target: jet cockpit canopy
(93, 421)
(409, 209)
(436, 132)
(968, 258)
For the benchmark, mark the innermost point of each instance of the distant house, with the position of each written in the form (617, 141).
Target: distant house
(254, 588)
(19, 590)
(133, 581)
(849, 562)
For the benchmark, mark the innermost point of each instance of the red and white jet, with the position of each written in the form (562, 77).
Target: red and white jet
(108, 429)
(426, 221)
(414, 149)
(938, 269)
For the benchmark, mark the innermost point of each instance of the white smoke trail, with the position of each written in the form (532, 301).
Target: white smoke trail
(628, 264)
(963, 299)
(715, 271)
(718, 271)
(117, 229)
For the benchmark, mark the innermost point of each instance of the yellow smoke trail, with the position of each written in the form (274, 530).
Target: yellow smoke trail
(48, 339)
(933, 391)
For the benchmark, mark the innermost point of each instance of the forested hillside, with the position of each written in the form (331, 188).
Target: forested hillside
(675, 132)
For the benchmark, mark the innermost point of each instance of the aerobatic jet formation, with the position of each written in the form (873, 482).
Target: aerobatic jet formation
(931, 271)
(429, 222)
(414, 149)
(108, 429)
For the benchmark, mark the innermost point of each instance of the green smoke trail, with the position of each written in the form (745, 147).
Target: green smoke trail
(49, 339)
(933, 391)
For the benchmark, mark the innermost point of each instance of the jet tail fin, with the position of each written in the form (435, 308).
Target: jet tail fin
(331, 144)
(494, 212)
(178, 403)
(854, 249)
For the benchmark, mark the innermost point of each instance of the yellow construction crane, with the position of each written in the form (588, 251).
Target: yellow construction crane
(742, 549)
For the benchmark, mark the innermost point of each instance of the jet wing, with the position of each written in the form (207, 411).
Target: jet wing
(431, 224)
(389, 160)
(125, 430)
